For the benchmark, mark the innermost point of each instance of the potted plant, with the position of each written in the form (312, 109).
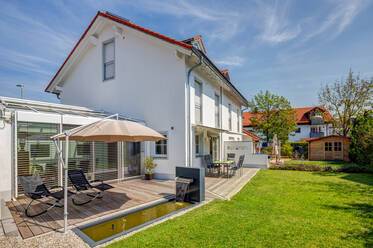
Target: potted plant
(149, 168)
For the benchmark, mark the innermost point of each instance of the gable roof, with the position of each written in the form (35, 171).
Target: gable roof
(300, 116)
(254, 137)
(128, 23)
(125, 22)
(325, 137)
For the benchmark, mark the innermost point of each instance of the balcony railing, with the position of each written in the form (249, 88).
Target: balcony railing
(316, 135)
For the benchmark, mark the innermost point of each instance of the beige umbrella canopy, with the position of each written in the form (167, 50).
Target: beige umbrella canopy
(109, 130)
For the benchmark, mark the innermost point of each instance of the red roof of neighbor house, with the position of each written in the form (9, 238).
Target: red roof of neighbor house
(324, 137)
(300, 115)
(251, 135)
(124, 22)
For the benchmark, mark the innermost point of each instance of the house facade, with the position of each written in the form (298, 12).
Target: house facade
(312, 122)
(171, 85)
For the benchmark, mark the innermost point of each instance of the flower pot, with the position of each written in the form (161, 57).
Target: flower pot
(148, 176)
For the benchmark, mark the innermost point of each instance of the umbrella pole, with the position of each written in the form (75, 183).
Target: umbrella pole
(65, 168)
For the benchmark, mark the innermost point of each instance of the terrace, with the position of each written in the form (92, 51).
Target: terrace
(125, 195)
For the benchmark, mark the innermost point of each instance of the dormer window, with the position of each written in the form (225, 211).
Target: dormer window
(196, 45)
(109, 59)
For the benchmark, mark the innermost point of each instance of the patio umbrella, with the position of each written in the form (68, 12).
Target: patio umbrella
(106, 130)
(109, 130)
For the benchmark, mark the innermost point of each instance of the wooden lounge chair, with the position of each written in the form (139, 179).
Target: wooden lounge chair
(91, 189)
(38, 191)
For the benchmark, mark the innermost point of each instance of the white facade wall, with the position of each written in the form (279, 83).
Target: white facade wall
(305, 131)
(149, 85)
(6, 148)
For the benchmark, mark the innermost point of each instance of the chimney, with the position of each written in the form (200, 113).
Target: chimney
(225, 73)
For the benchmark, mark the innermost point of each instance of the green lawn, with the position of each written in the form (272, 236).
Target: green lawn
(276, 209)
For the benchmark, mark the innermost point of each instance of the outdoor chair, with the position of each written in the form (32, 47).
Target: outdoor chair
(92, 189)
(237, 166)
(36, 190)
(231, 156)
(208, 164)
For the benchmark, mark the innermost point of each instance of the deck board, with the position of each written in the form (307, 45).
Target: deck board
(124, 195)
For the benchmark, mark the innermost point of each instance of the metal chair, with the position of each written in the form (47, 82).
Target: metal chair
(83, 186)
(36, 190)
(208, 164)
(237, 166)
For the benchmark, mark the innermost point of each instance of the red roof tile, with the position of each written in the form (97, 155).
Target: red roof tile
(300, 116)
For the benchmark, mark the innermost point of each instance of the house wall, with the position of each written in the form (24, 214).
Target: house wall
(6, 149)
(316, 149)
(305, 132)
(149, 84)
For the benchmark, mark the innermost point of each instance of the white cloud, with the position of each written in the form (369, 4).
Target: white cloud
(340, 17)
(231, 61)
(274, 23)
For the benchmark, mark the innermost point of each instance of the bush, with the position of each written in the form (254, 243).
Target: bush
(300, 149)
(286, 150)
(266, 150)
(322, 167)
(361, 148)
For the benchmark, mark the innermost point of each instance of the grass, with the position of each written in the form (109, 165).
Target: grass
(276, 209)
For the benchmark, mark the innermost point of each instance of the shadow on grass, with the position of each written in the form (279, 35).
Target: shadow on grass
(363, 178)
(364, 211)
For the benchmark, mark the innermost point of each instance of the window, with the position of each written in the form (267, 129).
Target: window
(328, 146)
(338, 146)
(161, 147)
(198, 144)
(196, 45)
(198, 102)
(297, 130)
(217, 111)
(230, 116)
(238, 120)
(109, 59)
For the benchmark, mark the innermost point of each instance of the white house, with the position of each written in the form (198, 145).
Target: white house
(171, 85)
(312, 122)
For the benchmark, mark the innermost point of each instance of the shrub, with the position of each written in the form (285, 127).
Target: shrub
(286, 150)
(300, 149)
(266, 150)
(361, 149)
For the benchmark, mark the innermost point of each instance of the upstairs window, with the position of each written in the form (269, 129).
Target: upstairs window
(217, 111)
(238, 120)
(297, 130)
(109, 59)
(198, 102)
(230, 116)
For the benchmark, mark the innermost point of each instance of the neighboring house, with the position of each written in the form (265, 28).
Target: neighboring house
(312, 122)
(171, 85)
(332, 147)
(252, 137)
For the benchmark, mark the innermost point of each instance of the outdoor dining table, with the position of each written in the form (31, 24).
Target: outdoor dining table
(224, 164)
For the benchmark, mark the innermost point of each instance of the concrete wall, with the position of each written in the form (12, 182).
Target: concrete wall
(245, 148)
(149, 84)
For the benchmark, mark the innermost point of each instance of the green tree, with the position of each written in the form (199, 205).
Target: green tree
(272, 114)
(361, 149)
(346, 100)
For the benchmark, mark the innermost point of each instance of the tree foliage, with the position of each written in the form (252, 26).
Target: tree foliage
(346, 100)
(273, 114)
(361, 149)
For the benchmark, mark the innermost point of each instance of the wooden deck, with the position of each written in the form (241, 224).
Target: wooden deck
(124, 195)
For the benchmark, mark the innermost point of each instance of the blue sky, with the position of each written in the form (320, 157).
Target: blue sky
(288, 47)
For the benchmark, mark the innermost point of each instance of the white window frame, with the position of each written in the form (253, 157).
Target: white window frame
(238, 120)
(199, 84)
(161, 155)
(104, 78)
(230, 116)
(217, 113)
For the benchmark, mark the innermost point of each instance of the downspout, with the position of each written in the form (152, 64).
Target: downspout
(189, 162)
